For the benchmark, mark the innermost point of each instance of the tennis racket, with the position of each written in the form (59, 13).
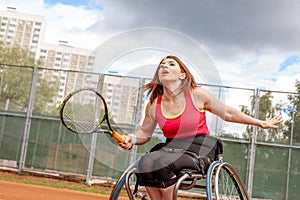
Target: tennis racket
(84, 111)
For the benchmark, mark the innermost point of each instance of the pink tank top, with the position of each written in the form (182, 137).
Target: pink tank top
(190, 122)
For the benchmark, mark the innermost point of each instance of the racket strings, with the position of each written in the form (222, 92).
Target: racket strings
(83, 113)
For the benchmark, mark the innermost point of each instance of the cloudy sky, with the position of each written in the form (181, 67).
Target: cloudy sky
(252, 43)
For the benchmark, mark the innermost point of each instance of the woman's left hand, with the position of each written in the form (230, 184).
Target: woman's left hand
(272, 122)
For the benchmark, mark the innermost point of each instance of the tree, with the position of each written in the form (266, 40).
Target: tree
(266, 110)
(44, 94)
(244, 109)
(16, 68)
(294, 121)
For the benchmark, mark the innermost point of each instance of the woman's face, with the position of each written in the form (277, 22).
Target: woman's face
(169, 70)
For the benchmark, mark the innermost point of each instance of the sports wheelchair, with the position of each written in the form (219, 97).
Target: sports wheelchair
(221, 181)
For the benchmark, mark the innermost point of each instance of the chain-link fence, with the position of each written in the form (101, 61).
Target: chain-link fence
(32, 137)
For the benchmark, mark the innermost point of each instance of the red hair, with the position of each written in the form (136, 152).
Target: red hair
(155, 88)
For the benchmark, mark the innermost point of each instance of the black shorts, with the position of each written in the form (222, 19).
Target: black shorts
(161, 167)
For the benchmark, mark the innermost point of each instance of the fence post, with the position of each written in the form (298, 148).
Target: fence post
(92, 150)
(26, 131)
(289, 158)
(252, 148)
(137, 117)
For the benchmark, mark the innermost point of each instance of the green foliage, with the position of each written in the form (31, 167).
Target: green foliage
(15, 86)
(265, 106)
(244, 109)
(266, 110)
(293, 124)
(43, 101)
(16, 56)
(16, 71)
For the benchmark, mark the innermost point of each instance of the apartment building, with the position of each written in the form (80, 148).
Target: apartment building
(68, 67)
(21, 29)
(121, 94)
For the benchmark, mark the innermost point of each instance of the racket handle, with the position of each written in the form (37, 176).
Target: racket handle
(117, 136)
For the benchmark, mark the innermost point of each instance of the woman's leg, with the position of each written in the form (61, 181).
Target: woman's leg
(162, 166)
(161, 193)
(151, 164)
(154, 193)
(167, 193)
(170, 165)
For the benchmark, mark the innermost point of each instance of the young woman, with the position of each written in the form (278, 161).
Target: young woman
(178, 106)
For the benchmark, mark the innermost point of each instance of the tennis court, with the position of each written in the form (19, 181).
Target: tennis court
(15, 187)
(38, 141)
(13, 191)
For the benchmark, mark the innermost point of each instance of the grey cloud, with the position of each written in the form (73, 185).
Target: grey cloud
(224, 27)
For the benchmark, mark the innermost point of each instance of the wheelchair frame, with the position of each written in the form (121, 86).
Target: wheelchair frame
(222, 182)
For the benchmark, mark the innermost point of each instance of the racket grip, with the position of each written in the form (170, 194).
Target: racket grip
(117, 136)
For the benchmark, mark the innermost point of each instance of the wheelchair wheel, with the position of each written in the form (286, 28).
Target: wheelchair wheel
(210, 180)
(123, 180)
(228, 183)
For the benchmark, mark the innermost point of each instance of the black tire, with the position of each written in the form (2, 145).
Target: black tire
(123, 180)
(228, 183)
(210, 180)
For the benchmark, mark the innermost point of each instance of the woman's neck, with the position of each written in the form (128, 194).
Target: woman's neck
(170, 94)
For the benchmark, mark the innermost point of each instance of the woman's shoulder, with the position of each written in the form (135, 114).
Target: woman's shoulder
(201, 94)
(151, 107)
(199, 91)
(200, 97)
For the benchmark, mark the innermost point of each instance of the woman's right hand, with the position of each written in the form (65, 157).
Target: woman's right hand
(127, 142)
